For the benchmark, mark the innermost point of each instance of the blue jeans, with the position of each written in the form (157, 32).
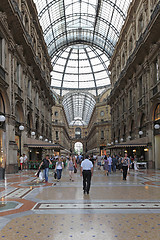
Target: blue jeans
(109, 168)
(46, 171)
(59, 172)
(114, 167)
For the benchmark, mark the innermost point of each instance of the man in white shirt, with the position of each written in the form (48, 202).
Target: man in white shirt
(87, 172)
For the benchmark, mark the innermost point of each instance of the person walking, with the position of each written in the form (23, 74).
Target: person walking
(106, 168)
(87, 172)
(125, 165)
(58, 168)
(71, 168)
(45, 164)
(109, 163)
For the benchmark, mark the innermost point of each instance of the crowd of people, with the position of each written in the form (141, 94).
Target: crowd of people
(86, 164)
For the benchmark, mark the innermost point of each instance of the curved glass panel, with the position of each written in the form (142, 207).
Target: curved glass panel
(96, 22)
(80, 67)
(78, 107)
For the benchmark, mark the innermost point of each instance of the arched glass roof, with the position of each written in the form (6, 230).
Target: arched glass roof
(96, 22)
(80, 67)
(81, 36)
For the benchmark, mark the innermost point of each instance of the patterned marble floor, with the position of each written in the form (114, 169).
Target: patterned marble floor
(114, 209)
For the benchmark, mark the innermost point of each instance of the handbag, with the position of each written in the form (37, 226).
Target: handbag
(37, 174)
(55, 175)
(75, 169)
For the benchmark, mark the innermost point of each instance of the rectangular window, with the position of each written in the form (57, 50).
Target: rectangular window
(123, 105)
(18, 74)
(29, 88)
(140, 87)
(1, 51)
(57, 137)
(37, 99)
(102, 134)
(130, 98)
(157, 71)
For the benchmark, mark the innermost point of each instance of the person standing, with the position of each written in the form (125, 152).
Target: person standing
(109, 163)
(125, 165)
(25, 161)
(45, 163)
(21, 162)
(58, 169)
(87, 172)
(106, 168)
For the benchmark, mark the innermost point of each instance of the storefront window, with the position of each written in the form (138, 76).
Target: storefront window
(2, 148)
(157, 113)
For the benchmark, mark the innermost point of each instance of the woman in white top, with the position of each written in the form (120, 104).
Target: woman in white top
(58, 168)
(70, 167)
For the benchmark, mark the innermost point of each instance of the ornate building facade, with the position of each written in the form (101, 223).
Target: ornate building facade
(99, 128)
(25, 97)
(135, 80)
(95, 137)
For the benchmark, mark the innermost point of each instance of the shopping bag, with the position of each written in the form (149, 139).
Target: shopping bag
(55, 175)
(41, 176)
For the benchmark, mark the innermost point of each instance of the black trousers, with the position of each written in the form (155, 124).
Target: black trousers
(86, 180)
(125, 168)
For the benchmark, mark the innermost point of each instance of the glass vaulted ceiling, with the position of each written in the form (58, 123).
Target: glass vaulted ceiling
(81, 37)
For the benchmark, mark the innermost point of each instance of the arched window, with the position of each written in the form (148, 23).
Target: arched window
(143, 125)
(130, 44)
(26, 24)
(140, 24)
(157, 113)
(77, 133)
(123, 60)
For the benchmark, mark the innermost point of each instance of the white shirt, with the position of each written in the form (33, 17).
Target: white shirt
(21, 159)
(86, 164)
(25, 158)
(109, 160)
(59, 165)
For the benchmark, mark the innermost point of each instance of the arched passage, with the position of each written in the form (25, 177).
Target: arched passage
(78, 148)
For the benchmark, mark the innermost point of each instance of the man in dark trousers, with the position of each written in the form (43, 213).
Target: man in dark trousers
(87, 172)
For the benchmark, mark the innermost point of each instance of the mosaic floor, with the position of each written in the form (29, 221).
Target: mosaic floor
(114, 209)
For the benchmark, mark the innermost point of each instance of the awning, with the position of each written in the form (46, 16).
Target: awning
(127, 145)
(140, 142)
(34, 143)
